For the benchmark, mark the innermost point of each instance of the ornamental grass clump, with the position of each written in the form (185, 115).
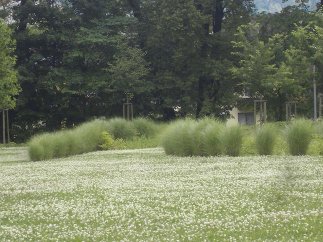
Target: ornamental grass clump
(36, 148)
(121, 129)
(212, 139)
(107, 142)
(199, 148)
(298, 136)
(82, 139)
(191, 138)
(231, 139)
(145, 127)
(178, 139)
(265, 140)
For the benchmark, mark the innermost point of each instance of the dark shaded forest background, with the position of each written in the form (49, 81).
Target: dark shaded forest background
(77, 60)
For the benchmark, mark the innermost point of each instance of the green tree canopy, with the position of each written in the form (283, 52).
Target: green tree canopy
(9, 87)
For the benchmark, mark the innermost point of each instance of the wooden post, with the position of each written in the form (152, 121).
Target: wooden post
(291, 110)
(261, 113)
(295, 111)
(131, 112)
(265, 111)
(8, 134)
(320, 105)
(255, 112)
(320, 110)
(124, 111)
(3, 127)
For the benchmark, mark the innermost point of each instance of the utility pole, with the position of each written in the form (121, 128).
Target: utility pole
(314, 90)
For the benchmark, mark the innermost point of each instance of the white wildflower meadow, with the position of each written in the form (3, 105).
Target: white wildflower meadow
(144, 195)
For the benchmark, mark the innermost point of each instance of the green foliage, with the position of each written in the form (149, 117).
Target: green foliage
(77, 58)
(256, 66)
(305, 50)
(9, 86)
(36, 149)
(128, 71)
(145, 128)
(139, 143)
(232, 140)
(262, 68)
(85, 138)
(212, 138)
(281, 146)
(318, 128)
(107, 141)
(178, 139)
(91, 136)
(265, 140)
(121, 129)
(316, 146)
(199, 133)
(299, 135)
(191, 138)
(78, 70)
(248, 146)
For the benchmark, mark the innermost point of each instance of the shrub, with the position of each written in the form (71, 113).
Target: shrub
(318, 126)
(107, 141)
(145, 128)
(199, 147)
(248, 146)
(121, 129)
(82, 139)
(280, 146)
(140, 143)
(188, 138)
(232, 140)
(212, 139)
(265, 140)
(87, 137)
(178, 139)
(36, 149)
(299, 135)
(316, 145)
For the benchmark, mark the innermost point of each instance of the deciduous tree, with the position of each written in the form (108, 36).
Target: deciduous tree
(9, 87)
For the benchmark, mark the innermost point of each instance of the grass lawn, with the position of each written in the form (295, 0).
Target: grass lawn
(144, 195)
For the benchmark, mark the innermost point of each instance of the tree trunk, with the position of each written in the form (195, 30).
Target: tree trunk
(203, 78)
(200, 96)
(23, 17)
(135, 6)
(218, 15)
(217, 20)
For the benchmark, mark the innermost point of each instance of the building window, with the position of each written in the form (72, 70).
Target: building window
(246, 118)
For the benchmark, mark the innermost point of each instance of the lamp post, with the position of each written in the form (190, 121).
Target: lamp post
(314, 90)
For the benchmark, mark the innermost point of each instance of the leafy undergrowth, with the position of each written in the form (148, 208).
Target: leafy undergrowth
(91, 136)
(144, 195)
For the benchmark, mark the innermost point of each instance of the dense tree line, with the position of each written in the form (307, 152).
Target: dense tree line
(79, 59)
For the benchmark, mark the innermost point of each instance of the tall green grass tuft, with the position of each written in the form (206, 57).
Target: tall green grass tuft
(82, 139)
(145, 127)
(192, 138)
(199, 147)
(178, 138)
(232, 140)
(265, 140)
(299, 135)
(36, 148)
(121, 129)
(212, 138)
